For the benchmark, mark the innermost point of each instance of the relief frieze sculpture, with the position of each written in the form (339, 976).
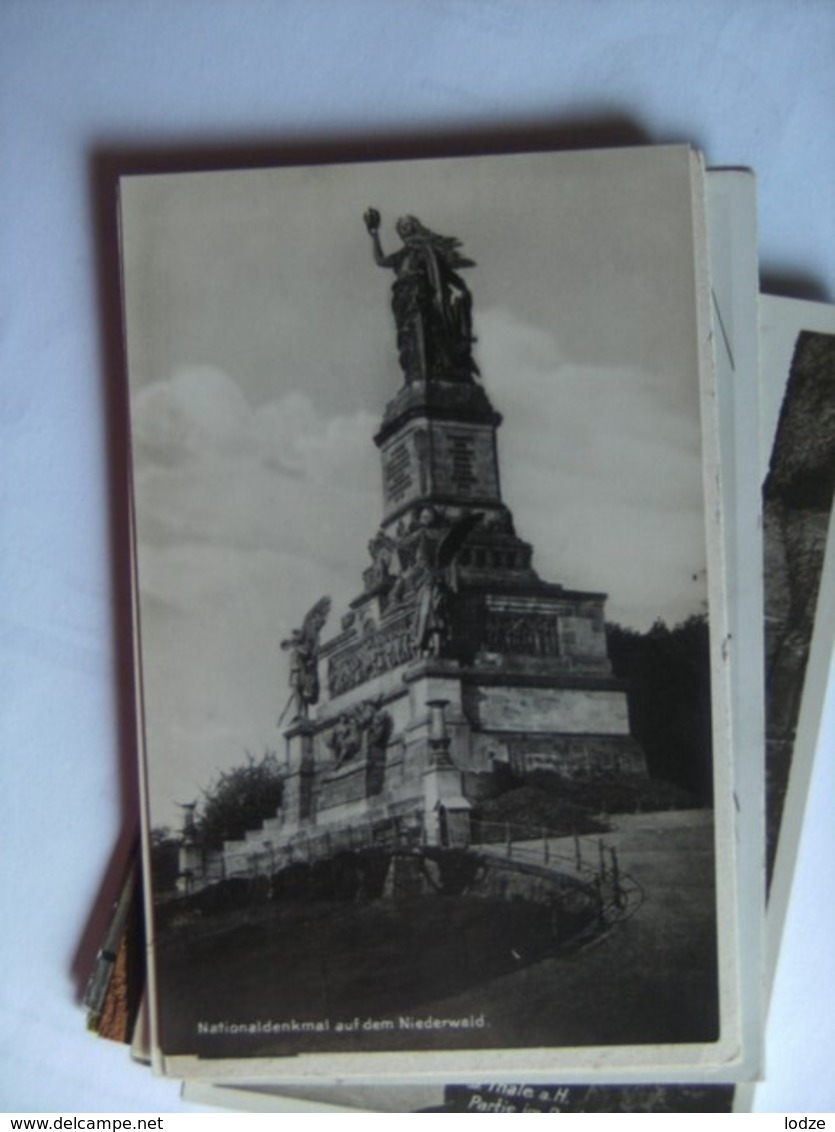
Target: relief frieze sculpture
(378, 650)
(365, 729)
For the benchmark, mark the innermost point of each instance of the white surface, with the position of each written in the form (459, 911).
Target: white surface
(752, 83)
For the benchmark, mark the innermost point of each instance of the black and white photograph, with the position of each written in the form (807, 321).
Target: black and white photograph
(797, 343)
(382, 628)
(425, 593)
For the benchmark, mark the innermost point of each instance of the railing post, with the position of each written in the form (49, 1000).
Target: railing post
(599, 891)
(508, 842)
(602, 853)
(546, 856)
(578, 859)
(616, 888)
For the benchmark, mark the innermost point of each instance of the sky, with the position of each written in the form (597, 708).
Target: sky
(261, 353)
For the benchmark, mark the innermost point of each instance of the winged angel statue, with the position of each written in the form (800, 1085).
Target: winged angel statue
(303, 645)
(436, 577)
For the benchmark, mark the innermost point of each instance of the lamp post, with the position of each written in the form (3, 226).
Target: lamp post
(446, 811)
(439, 740)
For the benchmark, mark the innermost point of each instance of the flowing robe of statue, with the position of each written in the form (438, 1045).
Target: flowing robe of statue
(432, 304)
(303, 645)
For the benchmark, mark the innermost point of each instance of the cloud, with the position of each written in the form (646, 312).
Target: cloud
(589, 419)
(197, 411)
(245, 518)
(602, 468)
(284, 477)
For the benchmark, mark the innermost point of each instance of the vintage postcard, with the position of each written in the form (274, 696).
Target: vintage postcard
(797, 370)
(432, 631)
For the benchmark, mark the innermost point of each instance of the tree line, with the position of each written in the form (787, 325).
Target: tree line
(668, 676)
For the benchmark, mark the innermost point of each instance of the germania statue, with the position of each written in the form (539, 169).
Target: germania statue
(432, 304)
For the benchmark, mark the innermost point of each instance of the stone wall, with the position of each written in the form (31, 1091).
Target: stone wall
(534, 710)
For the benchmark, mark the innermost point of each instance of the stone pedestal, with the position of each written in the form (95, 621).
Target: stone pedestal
(446, 810)
(298, 804)
(190, 865)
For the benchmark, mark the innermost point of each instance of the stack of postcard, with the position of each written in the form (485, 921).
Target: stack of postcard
(448, 482)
